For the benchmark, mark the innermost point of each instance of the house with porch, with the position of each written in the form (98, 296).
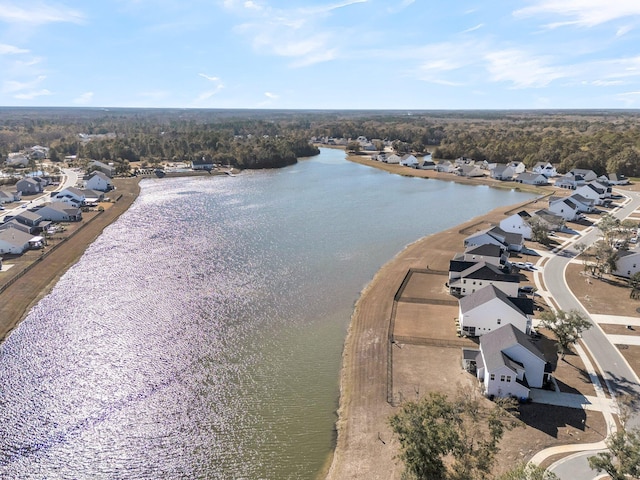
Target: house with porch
(445, 167)
(16, 242)
(517, 167)
(489, 308)
(549, 219)
(470, 171)
(502, 172)
(408, 160)
(584, 204)
(595, 191)
(508, 363)
(392, 159)
(7, 196)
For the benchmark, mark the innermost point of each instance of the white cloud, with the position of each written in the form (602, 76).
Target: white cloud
(209, 77)
(32, 94)
(630, 99)
(11, 86)
(477, 27)
(11, 50)
(84, 99)
(587, 13)
(523, 70)
(271, 96)
(623, 30)
(37, 13)
(294, 33)
(207, 94)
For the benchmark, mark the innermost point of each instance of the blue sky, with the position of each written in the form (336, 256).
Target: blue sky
(350, 54)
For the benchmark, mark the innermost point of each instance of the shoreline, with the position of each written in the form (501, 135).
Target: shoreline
(365, 446)
(17, 300)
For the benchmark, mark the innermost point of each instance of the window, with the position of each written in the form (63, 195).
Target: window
(502, 378)
(464, 281)
(499, 321)
(492, 376)
(474, 282)
(508, 378)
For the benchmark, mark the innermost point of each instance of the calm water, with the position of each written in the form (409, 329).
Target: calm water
(200, 336)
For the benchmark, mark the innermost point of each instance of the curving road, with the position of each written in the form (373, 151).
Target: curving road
(615, 370)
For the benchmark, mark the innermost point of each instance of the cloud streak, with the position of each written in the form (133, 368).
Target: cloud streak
(38, 13)
(585, 13)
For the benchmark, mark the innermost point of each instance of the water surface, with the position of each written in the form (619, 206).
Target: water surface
(200, 336)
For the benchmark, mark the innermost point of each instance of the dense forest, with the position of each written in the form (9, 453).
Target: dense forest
(604, 141)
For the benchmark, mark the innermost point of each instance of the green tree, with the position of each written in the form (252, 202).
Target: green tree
(539, 231)
(462, 430)
(567, 327)
(353, 146)
(621, 461)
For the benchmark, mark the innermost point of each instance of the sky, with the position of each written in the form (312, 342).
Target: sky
(321, 54)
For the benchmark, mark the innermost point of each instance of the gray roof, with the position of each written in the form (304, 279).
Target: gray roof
(486, 250)
(584, 200)
(460, 265)
(510, 238)
(30, 216)
(494, 342)
(486, 294)
(486, 271)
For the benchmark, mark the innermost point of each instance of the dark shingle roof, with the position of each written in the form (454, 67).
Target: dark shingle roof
(494, 342)
(486, 294)
(486, 271)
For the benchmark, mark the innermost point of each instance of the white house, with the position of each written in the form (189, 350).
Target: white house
(503, 172)
(59, 212)
(393, 159)
(529, 178)
(517, 167)
(17, 159)
(16, 242)
(496, 236)
(585, 205)
(613, 179)
(564, 207)
(627, 264)
(586, 175)
(546, 169)
(489, 308)
(71, 195)
(99, 181)
(108, 170)
(426, 164)
(446, 167)
(595, 191)
(518, 223)
(508, 363)
(469, 171)
(480, 275)
(409, 160)
(8, 197)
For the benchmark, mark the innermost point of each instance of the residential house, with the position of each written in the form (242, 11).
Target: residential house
(517, 167)
(16, 242)
(392, 159)
(446, 167)
(549, 219)
(59, 212)
(71, 195)
(503, 172)
(489, 308)
(529, 178)
(28, 186)
(38, 152)
(518, 223)
(470, 171)
(8, 197)
(585, 205)
(408, 160)
(13, 223)
(480, 275)
(569, 182)
(508, 363)
(545, 168)
(496, 236)
(564, 207)
(463, 161)
(31, 220)
(595, 191)
(627, 264)
(426, 165)
(204, 163)
(613, 179)
(99, 181)
(17, 160)
(108, 170)
(587, 175)
(493, 254)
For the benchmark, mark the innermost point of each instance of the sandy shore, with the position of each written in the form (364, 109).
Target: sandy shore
(365, 446)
